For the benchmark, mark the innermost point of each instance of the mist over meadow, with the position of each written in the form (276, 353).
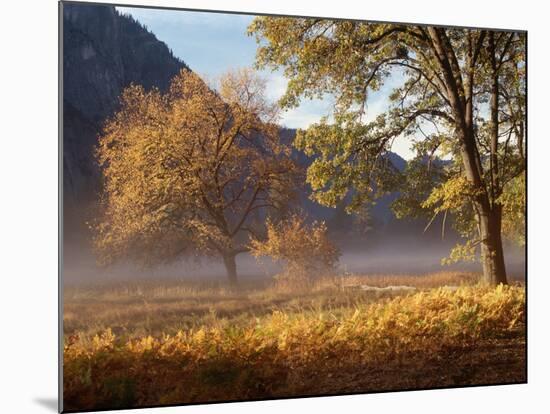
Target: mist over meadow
(212, 253)
(400, 256)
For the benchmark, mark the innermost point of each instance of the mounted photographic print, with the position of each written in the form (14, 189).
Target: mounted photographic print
(263, 207)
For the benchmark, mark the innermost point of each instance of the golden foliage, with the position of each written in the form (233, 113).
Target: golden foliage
(513, 201)
(461, 252)
(305, 249)
(254, 360)
(186, 170)
(451, 195)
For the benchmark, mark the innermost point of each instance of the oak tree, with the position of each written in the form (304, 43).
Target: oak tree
(192, 171)
(462, 96)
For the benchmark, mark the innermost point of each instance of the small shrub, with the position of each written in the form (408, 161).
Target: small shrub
(306, 250)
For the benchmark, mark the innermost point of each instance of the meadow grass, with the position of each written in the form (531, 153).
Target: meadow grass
(156, 307)
(176, 342)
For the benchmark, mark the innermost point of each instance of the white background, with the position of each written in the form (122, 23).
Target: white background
(28, 204)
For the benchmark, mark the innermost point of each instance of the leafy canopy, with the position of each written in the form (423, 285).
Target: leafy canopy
(192, 170)
(306, 250)
(445, 86)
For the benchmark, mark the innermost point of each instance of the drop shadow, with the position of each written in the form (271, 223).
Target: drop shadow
(49, 403)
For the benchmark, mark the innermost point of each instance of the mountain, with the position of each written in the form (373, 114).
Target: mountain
(103, 52)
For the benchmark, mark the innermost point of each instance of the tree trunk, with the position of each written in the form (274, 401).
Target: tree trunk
(494, 168)
(492, 253)
(461, 98)
(489, 217)
(490, 220)
(231, 268)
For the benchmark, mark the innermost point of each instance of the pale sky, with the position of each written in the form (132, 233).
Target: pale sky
(211, 43)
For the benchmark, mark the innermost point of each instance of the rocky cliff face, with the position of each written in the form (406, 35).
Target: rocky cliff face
(103, 52)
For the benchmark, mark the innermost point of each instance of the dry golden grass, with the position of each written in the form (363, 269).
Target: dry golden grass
(155, 307)
(430, 280)
(392, 342)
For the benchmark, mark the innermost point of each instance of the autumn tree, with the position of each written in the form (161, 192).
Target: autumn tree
(192, 171)
(462, 97)
(305, 249)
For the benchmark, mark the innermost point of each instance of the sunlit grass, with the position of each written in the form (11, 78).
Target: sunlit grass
(275, 352)
(156, 307)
